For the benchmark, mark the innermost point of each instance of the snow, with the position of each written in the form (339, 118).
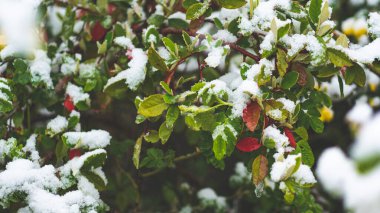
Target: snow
(30, 147)
(6, 146)
(225, 36)
(57, 125)
(242, 95)
(24, 175)
(40, 68)
(87, 70)
(74, 165)
(367, 143)
(219, 131)
(288, 105)
(91, 140)
(77, 94)
(268, 42)
(297, 42)
(333, 169)
(359, 114)
(282, 169)
(208, 197)
(124, 42)
(366, 54)
(304, 175)
(275, 114)
(69, 66)
(271, 132)
(264, 67)
(215, 57)
(135, 74)
(215, 87)
(207, 194)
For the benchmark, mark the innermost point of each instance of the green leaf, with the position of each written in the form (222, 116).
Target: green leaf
(95, 179)
(289, 80)
(156, 61)
(166, 87)
(341, 86)
(171, 46)
(186, 38)
(355, 74)
(315, 10)
(164, 132)
(316, 124)
(338, 58)
(196, 10)
(307, 153)
(136, 152)
(152, 136)
(259, 169)
(172, 116)
(94, 160)
(302, 132)
(327, 71)
(282, 64)
(343, 41)
(102, 48)
(152, 106)
(232, 4)
(219, 147)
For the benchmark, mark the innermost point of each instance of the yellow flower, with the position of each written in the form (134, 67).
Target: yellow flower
(372, 87)
(2, 42)
(348, 26)
(326, 114)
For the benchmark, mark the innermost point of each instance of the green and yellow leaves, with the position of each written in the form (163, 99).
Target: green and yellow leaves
(224, 136)
(232, 4)
(259, 169)
(339, 58)
(136, 152)
(196, 10)
(153, 106)
(156, 60)
(282, 64)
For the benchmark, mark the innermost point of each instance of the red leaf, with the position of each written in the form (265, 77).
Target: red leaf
(251, 115)
(248, 144)
(74, 153)
(68, 104)
(98, 32)
(290, 136)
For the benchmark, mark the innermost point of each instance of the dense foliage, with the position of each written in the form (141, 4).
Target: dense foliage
(143, 106)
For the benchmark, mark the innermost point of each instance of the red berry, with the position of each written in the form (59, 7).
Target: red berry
(74, 153)
(98, 32)
(111, 8)
(68, 104)
(248, 144)
(290, 136)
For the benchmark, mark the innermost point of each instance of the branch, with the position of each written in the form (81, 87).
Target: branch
(176, 160)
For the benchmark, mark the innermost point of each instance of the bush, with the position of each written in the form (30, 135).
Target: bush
(147, 106)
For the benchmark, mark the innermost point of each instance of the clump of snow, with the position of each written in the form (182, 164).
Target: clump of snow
(124, 42)
(40, 68)
(242, 95)
(366, 54)
(288, 105)
(225, 36)
(77, 94)
(209, 198)
(215, 56)
(30, 147)
(297, 42)
(281, 141)
(275, 114)
(215, 87)
(283, 167)
(374, 24)
(91, 140)
(23, 175)
(220, 131)
(304, 175)
(57, 125)
(135, 74)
